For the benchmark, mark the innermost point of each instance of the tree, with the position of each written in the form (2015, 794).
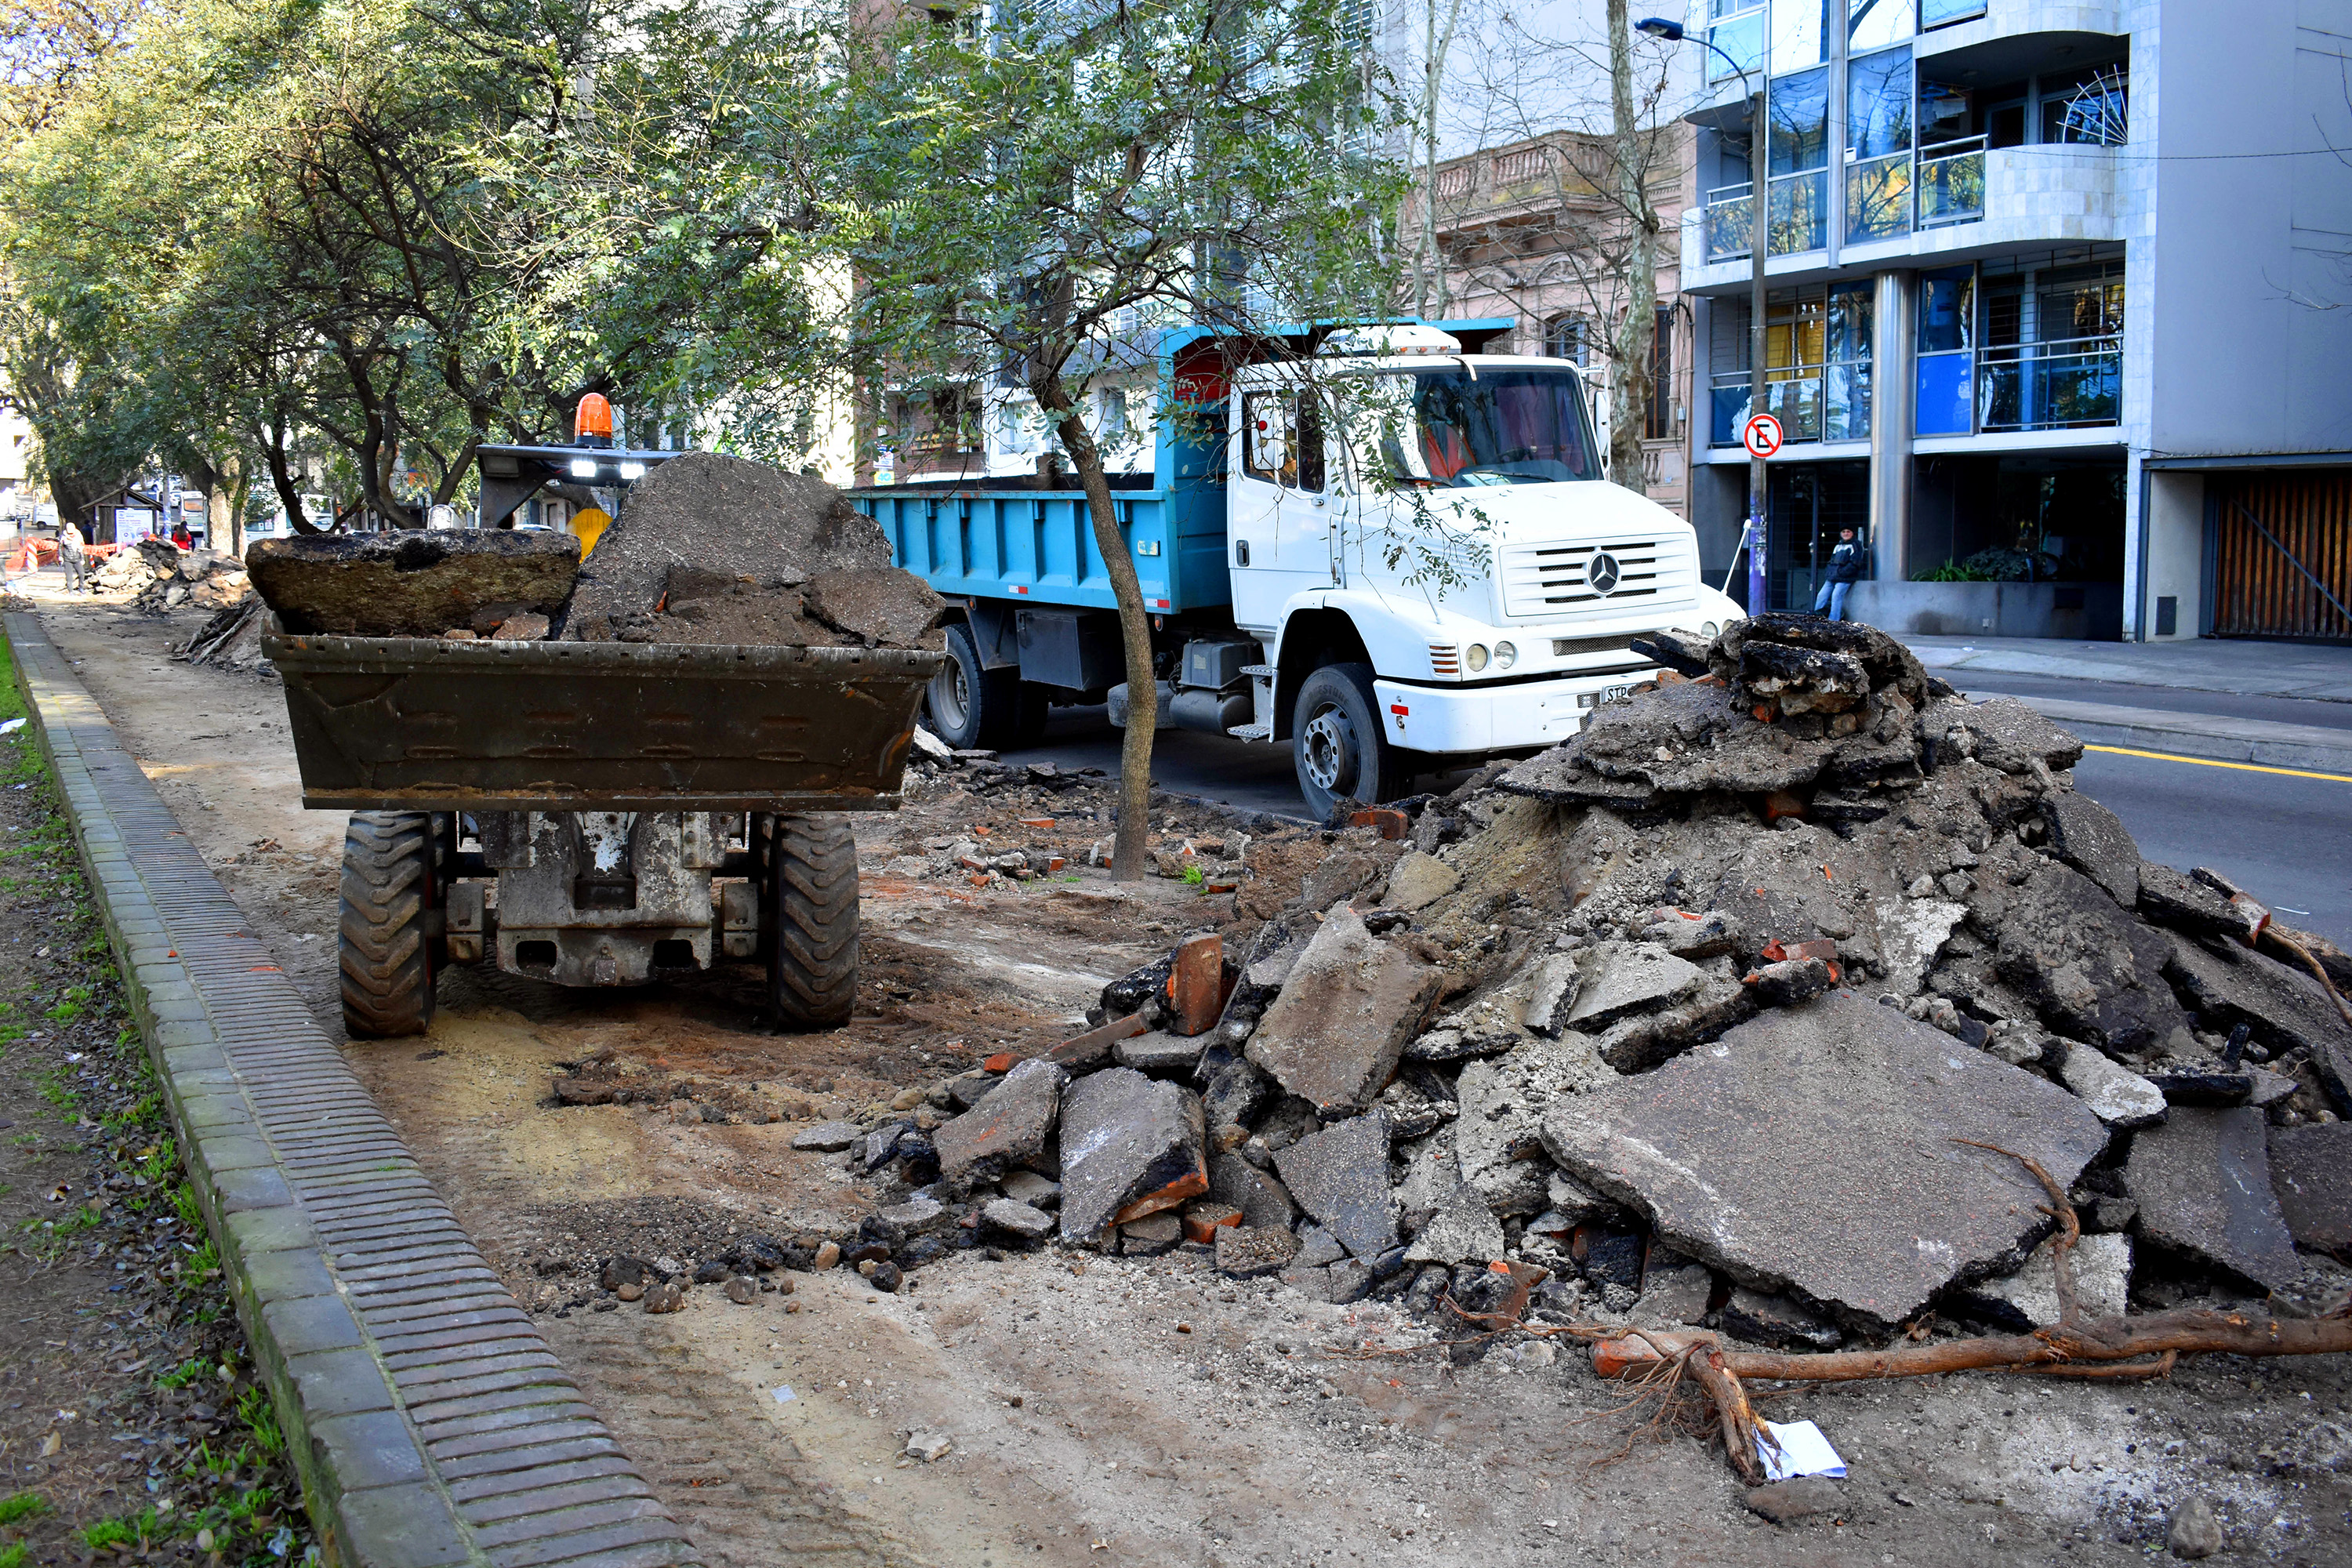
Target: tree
(1042, 197)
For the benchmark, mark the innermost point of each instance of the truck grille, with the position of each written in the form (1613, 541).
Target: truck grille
(1543, 582)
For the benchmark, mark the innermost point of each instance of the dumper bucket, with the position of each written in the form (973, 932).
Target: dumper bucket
(417, 724)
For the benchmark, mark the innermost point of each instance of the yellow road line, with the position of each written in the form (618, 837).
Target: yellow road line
(2212, 763)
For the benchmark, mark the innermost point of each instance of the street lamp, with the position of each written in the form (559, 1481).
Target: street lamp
(1758, 248)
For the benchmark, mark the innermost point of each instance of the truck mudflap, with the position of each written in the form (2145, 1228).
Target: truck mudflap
(1494, 718)
(414, 724)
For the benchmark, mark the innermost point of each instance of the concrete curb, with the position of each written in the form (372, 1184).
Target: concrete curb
(2207, 735)
(430, 1424)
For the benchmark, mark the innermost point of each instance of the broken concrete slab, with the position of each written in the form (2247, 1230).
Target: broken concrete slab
(2116, 1095)
(1340, 1176)
(2028, 1299)
(2311, 1172)
(1168, 1054)
(1336, 1032)
(1029, 1187)
(1552, 985)
(1672, 1298)
(409, 583)
(1246, 1251)
(1264, 1201)
(828, 1137)
(1815, 1148)
(1019, 1218)
(1623, 978)
(1008, 1126)
(2202, 1182)
(2227, 984)
(1637, 1044)
(2094, 840)
(2093, 972)
(1502, 1100)
(1790, 983)
(1130, 1146)
(1417, 881)
(2007, 734)
(1461, 1229)
(2180, 901)
(1152, 1235)
(1911, 934)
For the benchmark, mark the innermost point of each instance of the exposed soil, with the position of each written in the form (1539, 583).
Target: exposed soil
(1125, 1410)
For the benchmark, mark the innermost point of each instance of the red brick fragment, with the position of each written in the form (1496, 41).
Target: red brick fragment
(1196, 985)
(1092, 1049)
(1391, 822)
(1001, 1062)
(1190, 1185)
(1201, 1221)
(1781, 803)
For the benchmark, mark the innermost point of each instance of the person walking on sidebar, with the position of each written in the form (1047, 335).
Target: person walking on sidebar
(1845, 569)
(73, 557)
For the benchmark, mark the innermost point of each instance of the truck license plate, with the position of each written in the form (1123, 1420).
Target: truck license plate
(1615, 693)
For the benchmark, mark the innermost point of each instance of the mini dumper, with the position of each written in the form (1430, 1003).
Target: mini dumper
(595, 814)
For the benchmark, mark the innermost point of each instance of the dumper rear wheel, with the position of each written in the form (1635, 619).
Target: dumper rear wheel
(390, 889)
(811, 922)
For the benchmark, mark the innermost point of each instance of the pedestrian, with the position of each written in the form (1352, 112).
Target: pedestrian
(72, 556)
(180, 535)
(1845, 569)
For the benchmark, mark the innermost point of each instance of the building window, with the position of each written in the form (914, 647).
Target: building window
(1564, 337)
(1798, 39)
(1944, 13)
(2092, 109)
(1878, 146)
(1817, 348)
(1660, 424)
(1799, 158)
(1736, 28)
(2050, 351)
(1946, 351)
(1875, 23)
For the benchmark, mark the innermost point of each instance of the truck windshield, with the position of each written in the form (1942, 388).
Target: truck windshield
(1443, 428)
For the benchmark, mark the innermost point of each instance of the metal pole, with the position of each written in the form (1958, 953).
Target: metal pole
(1758, 248)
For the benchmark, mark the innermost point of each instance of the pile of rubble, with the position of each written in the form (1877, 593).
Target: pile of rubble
(1739, 1008)
(163, 576)
(707, 549)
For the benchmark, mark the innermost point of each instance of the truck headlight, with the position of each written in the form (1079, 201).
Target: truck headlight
(1708, 628)
(1477, 657)
(1505, 655)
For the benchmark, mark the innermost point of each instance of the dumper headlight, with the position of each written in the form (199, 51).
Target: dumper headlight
(1505, 656)
(583, 467)
(1478, 657)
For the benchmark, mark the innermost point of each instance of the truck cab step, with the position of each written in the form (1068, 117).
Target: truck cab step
(1249, 731)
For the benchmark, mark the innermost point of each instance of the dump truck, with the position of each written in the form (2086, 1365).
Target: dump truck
(595, 814)
(1395, 556)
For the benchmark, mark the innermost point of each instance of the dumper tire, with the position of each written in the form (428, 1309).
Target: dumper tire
(811, 921)
(384, 934)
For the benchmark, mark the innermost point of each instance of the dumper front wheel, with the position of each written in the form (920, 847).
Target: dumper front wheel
(390, 889)
(811, 921)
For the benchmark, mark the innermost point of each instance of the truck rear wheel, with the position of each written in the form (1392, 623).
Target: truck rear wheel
(969, 706)
(384, 937)
(1336, 739)
(811, 921)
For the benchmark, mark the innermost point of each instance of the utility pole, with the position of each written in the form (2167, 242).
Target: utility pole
(1759, 248)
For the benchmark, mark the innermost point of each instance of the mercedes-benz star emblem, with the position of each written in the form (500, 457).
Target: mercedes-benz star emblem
(1603, 573)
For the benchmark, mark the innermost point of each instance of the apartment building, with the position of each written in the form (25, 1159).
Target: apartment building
(2060, 300)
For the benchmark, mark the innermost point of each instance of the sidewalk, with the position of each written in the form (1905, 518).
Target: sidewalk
(2301, 672)
(2309, 671)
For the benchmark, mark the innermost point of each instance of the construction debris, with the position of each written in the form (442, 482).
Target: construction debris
(712, 548)
(411, 583)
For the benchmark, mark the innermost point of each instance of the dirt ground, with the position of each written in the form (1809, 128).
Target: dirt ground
(1119, 1410)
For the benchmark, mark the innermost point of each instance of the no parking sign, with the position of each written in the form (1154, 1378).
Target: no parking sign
(1761, 436)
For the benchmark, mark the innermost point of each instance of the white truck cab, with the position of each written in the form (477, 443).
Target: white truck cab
(1424, 545)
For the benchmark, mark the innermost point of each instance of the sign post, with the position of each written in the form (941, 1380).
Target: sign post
(1761, 436)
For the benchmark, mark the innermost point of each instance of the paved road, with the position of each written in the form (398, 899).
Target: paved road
(2287, 839)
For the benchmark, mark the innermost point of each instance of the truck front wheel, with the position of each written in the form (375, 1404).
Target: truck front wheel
(387, 948)
(1337, 742)
(811, 921)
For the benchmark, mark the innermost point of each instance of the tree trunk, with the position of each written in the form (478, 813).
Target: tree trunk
(281, 479)
(76, 494)
(1634, 345)
(1132, 848)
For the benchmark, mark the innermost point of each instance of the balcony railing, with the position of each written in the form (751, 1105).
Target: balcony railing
(2051, 385)
(1730, 222)
(1799, 217)
(1951, 181)
(1812, 403)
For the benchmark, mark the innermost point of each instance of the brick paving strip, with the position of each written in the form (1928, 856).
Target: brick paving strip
(429, 1421)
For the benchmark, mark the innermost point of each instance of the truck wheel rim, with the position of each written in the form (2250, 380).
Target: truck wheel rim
(1331, 750)
(951, 698)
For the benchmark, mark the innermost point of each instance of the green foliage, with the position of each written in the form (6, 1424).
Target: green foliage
(260, 1418)
(22, 1506)
(1194, 877)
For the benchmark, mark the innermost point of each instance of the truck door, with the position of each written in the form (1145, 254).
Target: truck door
(1278, 519)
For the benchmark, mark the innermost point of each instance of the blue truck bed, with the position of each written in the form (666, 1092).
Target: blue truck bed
(1038, 546)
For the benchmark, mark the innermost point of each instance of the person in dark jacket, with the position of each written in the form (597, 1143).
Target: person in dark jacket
(1845, 569)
